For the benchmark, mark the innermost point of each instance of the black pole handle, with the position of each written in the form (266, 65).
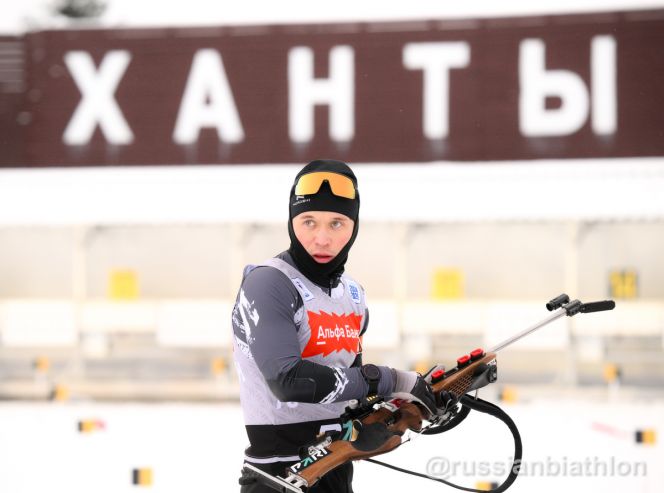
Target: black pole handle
(557, 302)
(597, 306)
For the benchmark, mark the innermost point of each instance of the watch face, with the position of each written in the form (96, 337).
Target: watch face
(371, 372)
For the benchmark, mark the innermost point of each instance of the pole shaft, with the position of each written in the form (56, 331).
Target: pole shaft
(555, 315)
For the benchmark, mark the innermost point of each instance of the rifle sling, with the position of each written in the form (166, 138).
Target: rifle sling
(482, 406)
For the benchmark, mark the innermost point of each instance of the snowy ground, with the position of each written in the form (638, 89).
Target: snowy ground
(197, 448)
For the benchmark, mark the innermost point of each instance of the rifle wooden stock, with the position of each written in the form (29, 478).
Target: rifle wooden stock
(381, 431)
(459, 381)
(387, 426)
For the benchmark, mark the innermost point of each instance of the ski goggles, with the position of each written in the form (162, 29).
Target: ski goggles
(341, 185)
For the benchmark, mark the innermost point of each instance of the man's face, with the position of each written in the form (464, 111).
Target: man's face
(323, 234)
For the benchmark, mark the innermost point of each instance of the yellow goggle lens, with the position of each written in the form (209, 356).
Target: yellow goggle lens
(341, 185)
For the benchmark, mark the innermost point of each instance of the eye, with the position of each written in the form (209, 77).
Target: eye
(336, 224)
(309, 223)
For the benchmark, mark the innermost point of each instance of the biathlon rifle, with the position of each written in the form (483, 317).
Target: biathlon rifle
(375, 426)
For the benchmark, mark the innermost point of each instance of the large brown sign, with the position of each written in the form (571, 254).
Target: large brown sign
(12, 90)
(501, 89)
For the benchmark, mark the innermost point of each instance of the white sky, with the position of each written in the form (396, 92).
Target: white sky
(18, 16)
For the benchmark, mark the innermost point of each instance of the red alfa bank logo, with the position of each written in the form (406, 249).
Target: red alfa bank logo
(332, 332)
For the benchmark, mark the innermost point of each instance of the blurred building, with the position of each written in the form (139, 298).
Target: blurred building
(501, 159)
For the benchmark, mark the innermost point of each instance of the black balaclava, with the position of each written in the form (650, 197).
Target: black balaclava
(326, 275)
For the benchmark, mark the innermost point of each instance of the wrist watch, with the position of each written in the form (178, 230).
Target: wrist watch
(371, 374)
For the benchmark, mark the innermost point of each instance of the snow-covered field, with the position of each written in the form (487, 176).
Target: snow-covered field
(569, 445)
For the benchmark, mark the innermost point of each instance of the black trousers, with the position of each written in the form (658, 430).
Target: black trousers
(338, 480)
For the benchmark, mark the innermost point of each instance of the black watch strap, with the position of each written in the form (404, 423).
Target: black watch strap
(371, 374)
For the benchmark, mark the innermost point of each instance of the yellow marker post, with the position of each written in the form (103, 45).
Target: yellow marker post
(142, 477)
(218, 366)
(123, 285)
(647, 437)
(86, 426)
(90, 425)
(509, 395)
(60, 393)
(447, 284)
(42, 364)
(611, 373)
(422, 367)
(623, 284)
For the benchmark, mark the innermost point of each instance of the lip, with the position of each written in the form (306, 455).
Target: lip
(322, 258)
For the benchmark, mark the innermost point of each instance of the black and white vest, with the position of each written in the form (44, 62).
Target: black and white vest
(328, 329)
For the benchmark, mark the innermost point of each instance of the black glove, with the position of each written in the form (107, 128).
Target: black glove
(445, 400)
(409, 385)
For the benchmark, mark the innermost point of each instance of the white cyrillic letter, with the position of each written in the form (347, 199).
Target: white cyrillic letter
(536, 83)
(603, 81)
(436, 60)
(304, 92)
(207, 102)
(97, 106)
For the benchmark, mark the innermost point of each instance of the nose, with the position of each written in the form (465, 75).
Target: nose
(322, 238)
